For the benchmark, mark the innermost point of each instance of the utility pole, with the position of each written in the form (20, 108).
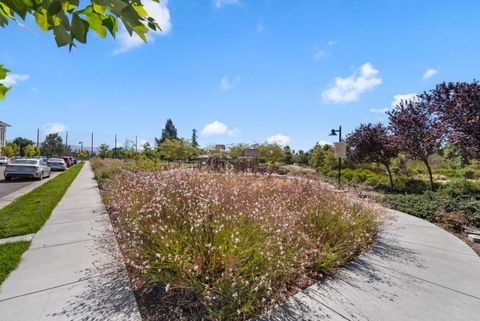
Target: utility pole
(66, 139)
(91, 149)
(115, 154)
(136, 144)
(38, 137)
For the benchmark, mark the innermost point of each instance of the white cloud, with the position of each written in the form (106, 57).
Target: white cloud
(52, 128)
(219, 128)
(221, 3)
(324, 142)
(160, 12)
(279, 139)
(430, 72)
(349, 89)
(13, 79)
(396, 100)
(227, 84)
(319, 54)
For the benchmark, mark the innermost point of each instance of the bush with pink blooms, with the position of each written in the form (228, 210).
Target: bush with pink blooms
(225, 246)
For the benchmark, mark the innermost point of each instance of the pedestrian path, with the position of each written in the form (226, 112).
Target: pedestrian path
(415, 271)
(73, 269)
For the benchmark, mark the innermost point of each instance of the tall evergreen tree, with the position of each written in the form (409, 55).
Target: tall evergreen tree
(194, 138)
(53, 145)
(169, 132)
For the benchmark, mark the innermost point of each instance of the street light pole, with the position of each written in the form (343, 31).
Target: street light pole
(334, 133)
(81, 146)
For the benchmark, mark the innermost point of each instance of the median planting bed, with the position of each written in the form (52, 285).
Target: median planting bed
(203, 245)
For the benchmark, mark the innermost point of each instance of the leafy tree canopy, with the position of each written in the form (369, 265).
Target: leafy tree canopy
(71, 20)
(168, 132)
(22, 142)
(53, 145)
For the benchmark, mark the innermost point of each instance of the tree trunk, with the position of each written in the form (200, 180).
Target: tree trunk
(429, 173)
(389, 175)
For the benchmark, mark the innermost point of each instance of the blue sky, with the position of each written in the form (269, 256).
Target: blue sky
(241, 71)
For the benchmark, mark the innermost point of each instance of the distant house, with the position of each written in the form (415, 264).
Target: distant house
(251, 152)
(3, 133)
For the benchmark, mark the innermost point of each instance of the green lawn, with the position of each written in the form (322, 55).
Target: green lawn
(28, 213)
(10, 255)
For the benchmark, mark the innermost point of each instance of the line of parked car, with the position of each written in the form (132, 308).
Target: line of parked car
(37, 167)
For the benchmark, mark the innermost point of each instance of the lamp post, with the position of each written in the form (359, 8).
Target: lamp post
(334, 133)
(81, 146)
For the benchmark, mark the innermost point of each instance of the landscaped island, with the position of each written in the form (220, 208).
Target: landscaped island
(204, 245)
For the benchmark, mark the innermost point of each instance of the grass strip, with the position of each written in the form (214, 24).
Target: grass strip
(10, 254)
(28, 213)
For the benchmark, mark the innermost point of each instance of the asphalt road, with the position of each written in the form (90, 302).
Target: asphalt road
(10, 187)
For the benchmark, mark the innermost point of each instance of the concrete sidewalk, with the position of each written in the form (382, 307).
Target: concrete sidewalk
(415, 271)
(73, 269)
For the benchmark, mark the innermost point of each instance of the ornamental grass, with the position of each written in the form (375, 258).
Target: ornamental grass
(229, 246)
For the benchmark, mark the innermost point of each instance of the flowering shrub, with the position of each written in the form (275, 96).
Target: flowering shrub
(234, 243)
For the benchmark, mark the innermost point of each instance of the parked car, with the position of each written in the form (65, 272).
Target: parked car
(75, 161)
(26, 168)
(57, 164)
(4, 160)
(44, 158)
(67, 160)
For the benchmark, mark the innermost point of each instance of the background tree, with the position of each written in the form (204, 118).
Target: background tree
(270, 152)
(416, 130)
(169, 132)
(83, 155)
(321, 157)
(287, 155)
(194, 138)
(31, 151)
(10, 150)
(177, 149)
(103, 151)
(53, 145)
(22, 142)
(458, 106)
(301, 157)
(372, 143)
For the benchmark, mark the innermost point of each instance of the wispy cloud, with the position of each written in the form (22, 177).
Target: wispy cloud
(13, 79)
(396, 100)
(429, 73)
(160, 12)
(349, 89)
(227, 83)
(52, 128)
(222, 3)
(279, 139)
(219, 128)
(319, 54)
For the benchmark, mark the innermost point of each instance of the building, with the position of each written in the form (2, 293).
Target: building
(3, 133)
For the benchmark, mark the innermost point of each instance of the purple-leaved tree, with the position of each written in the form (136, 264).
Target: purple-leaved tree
(417, 131)
(372, 143)
(457, 106)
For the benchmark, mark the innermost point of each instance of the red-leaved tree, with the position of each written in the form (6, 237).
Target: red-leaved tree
(372, 143)
(458, 107)
(416, 130)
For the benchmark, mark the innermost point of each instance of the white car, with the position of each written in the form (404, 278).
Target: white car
(57, 164)
(4, 160)
(26, 168)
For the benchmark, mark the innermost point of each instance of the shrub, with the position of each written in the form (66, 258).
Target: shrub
(234, 243)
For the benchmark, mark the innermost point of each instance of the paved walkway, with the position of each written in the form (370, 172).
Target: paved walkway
(416, 271)
(73, 269)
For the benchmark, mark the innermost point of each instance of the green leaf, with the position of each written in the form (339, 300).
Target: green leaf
(3, 72)
(61, 36)
(96, 23)
(41, 19)
(79, 28)
(3, 91)
(54, 7)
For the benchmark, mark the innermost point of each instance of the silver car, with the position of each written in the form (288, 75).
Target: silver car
(57, 164)
(4, 160)
(26, 168)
